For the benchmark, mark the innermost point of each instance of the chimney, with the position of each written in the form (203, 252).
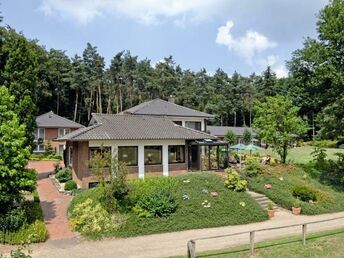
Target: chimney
(171, 99)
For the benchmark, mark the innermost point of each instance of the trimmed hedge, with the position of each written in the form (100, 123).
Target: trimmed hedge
(64, 175)
(70, 185)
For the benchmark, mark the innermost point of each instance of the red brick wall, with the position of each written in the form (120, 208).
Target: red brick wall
(51, 134)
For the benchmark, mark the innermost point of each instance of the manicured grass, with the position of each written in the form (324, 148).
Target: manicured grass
(284, 178)
(190, 214)
(299, 155)
(320, 244)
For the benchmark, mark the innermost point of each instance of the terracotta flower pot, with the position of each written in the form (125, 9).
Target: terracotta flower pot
(296, 211)
(271, 213)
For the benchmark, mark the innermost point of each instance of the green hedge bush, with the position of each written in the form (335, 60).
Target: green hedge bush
(64, 175)
(70, 185)
(154, 197)
(305, 193)
(32, 230)
(234, 181)
(323, 144)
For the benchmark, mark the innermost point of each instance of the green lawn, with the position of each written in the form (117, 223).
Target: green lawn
(299, 155)
(190, 214)
(320, 244)
(284, 178)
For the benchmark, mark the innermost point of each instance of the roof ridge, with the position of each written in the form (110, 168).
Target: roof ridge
(187, 108)
(83, 130)
(50, 112)
(69, 120)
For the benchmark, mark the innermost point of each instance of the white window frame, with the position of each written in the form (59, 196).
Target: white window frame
(65, 131)
(37, 134)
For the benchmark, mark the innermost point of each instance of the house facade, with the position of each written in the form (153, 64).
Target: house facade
(149, 146)
(50, 127)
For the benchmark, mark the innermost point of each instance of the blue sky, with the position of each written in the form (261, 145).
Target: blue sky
(235, 35)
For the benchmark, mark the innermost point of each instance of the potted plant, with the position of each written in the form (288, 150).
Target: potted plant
(296, 209)
(271, 210)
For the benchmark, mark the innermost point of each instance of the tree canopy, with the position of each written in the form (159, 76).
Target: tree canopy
(278, 123)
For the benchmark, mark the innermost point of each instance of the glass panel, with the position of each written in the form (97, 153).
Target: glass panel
(61, 149)
(128, 154)
(41, 133)
(153, 155)
(61, 132)
(94, 150)
(36, 134)
(176, 154)
(193, 125)
(178, 122)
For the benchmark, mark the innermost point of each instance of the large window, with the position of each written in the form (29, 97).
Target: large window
(63, 131)
(176, 154)
(193, 125)
(153, 155)
(39, 139)
(128, 154)
(94, 150)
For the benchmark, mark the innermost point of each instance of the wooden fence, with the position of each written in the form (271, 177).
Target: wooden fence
(191, 245)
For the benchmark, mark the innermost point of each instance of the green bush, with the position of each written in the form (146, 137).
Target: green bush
(33, 229)
(305, 193)
(92, 220)
(12, 220)
(252, 167)
(323, 144)
(70, 185)
(64, 175)
(154, 197)
(234, 181)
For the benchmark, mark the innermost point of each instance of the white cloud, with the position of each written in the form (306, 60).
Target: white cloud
(252, 47)
(275, 63)
(145, 11)
(248, 46)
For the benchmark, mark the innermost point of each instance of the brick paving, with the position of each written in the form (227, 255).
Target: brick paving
(53, 203)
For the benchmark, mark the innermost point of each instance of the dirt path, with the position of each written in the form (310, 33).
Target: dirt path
(53, 203)
(169, 244)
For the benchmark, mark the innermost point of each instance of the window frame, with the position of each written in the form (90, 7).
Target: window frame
(65, 131)
(40, 147)
(176, 162)
(195, 123)
(161, 154)
(137, 155)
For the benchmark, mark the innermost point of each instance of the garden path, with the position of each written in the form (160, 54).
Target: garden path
(53, 203)
(169, 244)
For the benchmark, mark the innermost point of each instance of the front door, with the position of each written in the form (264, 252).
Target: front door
(194, 157)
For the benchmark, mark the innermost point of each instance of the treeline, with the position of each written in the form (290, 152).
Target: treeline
(42, 80)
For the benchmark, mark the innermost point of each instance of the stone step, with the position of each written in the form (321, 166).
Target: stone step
(261, 198)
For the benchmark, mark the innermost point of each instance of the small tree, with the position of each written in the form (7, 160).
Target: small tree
(278, 123)
(247, 136)
(231, 137)
(14, 155)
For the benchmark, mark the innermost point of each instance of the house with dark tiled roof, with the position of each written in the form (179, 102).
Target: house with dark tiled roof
(180, 115)
(150, 139)
(50, 127)
(221, 131)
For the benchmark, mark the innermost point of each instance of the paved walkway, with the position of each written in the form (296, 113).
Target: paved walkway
(170, 244)
(54, 204)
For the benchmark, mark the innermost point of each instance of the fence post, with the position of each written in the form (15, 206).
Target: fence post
(304, 232)
(191, 249)
(251, 243)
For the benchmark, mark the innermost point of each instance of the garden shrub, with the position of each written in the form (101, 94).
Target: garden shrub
(12, 220)
(305, 193)
(64, 175)
(323, 144)
(252, 167)
(70, 185)
(234, 181)
(92, 220)
(32, 229)
(154, 197)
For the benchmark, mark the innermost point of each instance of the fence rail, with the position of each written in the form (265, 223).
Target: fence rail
(191, 245)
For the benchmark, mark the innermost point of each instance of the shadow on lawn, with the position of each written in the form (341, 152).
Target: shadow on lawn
(280, 242)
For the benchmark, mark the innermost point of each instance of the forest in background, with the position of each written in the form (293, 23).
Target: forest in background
(74, 87)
